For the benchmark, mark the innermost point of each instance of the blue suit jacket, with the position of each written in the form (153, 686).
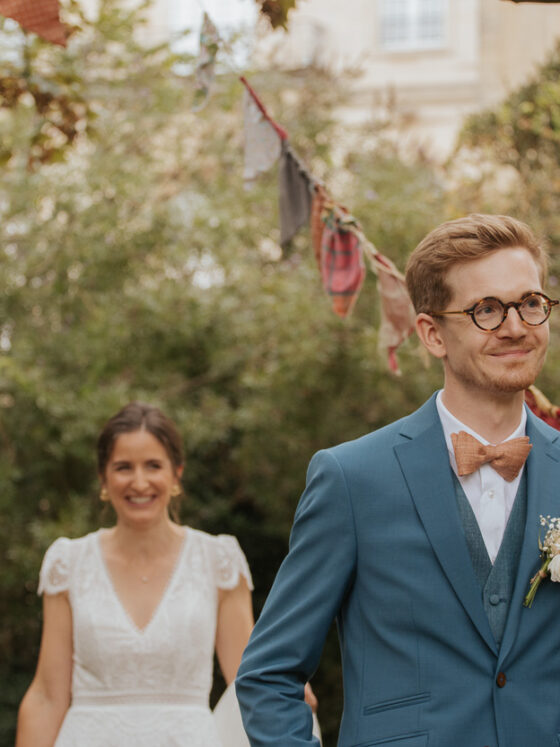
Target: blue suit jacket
(377, 543)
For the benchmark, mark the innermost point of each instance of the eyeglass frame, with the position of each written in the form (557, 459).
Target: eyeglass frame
(506, 307)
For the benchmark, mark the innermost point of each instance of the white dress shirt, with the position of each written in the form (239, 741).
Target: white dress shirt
(491, 497)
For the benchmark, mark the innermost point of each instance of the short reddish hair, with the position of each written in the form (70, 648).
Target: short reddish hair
(463, 240)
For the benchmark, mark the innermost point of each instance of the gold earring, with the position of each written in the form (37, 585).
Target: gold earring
(104, 495)
(175, 490)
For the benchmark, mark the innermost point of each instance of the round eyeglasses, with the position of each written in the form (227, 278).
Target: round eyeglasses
(490, 313)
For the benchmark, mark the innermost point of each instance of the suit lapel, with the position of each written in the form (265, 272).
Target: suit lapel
(424, 461)
(542, 499)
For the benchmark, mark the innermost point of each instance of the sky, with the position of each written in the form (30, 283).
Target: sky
(226, 14)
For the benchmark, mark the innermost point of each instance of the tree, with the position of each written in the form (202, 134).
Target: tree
(277, 11)
(506, 161)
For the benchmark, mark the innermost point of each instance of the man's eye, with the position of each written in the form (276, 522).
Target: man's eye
(533, 303)
(486, 309)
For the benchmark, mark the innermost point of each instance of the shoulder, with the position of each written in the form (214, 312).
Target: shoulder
(59, 561)
(227, 559)
(545, 440)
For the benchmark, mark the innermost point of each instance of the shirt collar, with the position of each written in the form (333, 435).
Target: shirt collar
(451, 424)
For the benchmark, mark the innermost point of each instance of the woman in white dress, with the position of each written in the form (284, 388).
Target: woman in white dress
(132, 614)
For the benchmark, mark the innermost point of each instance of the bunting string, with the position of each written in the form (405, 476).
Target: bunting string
(338, 242)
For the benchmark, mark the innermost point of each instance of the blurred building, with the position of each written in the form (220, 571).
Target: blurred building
(429, 61)
(425, 62)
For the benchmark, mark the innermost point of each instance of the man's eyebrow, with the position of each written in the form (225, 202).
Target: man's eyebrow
(523, 295)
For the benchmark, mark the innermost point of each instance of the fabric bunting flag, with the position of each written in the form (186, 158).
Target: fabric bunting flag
(397, 312)
(542, 407)
(206, 62)
(342, 265)
(295, 187)
(39, 16)
(263, 137)
(320, 198)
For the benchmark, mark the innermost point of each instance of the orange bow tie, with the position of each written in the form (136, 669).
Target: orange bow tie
(506, 458)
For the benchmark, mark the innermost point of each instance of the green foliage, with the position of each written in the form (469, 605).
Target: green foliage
(507, 162)
(136, 267)
(520, 136)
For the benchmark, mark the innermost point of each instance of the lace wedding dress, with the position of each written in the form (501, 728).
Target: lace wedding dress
(145, 687)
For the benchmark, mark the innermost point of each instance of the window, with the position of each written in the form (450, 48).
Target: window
(412, 24)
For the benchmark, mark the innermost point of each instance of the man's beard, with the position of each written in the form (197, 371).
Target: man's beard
(499, 383)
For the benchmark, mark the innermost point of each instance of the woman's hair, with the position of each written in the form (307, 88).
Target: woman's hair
(138, 416)
(460, 241)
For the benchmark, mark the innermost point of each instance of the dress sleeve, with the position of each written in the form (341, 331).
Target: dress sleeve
(55, 570)
(229, 562)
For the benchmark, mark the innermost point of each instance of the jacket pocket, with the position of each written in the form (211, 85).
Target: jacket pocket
(388, 705)
(418, 739)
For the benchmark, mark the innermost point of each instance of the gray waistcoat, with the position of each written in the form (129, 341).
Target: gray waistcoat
(496, 581)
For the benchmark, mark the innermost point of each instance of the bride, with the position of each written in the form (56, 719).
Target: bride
(133, 614)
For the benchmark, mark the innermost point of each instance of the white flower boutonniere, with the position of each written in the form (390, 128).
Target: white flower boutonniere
(550, 554)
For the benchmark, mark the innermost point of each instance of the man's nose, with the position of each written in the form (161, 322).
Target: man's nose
(513, 324)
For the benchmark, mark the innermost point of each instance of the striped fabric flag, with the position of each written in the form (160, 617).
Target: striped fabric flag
(39, 16)
(342, 264)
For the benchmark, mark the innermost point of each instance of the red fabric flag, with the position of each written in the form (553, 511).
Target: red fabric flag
(542, 407)
(342, 265)
(39, 16)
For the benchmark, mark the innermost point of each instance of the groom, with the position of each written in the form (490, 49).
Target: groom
(422, 553)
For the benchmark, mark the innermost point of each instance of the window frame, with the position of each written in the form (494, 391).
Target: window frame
(413, 41)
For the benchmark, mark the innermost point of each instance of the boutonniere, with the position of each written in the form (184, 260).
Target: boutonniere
(550, 555)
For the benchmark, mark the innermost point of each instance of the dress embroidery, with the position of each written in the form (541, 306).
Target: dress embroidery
(229, 563)
(53, 578)
(149, 687)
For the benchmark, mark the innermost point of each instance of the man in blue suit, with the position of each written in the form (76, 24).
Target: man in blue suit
(425, 562)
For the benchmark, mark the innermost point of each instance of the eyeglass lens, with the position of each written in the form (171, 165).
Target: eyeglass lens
(489, 313)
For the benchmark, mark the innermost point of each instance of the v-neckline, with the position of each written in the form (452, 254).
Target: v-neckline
(178, 562)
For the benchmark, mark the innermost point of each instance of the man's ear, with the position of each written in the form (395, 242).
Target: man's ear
(429, 332)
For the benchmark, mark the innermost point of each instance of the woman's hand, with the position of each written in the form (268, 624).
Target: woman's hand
(311, 698)
(45, 703)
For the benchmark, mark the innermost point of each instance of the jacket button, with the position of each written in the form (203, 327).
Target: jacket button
(494, 599)
(501, 679)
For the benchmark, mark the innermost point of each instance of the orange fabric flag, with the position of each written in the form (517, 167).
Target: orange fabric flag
(397, 312)
(39, 16)
(317, 224)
